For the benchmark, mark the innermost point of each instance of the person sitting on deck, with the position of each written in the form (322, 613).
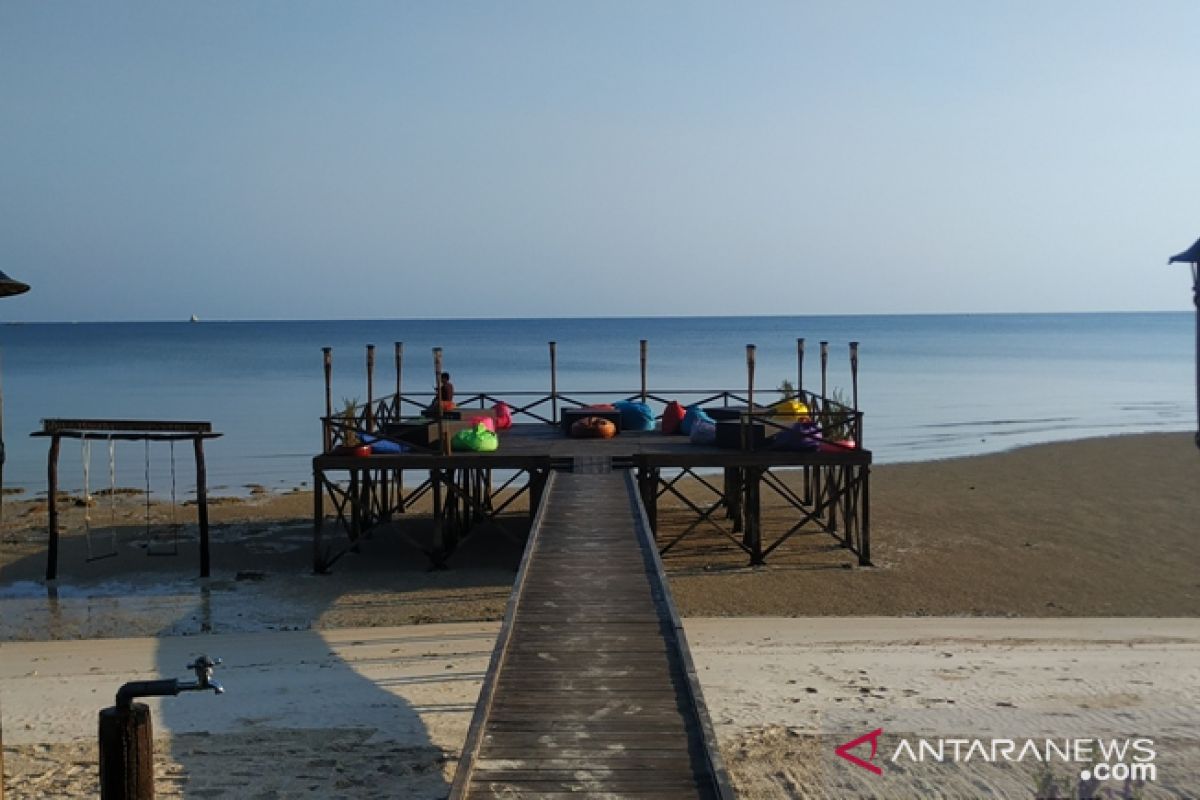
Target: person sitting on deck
(445, 395)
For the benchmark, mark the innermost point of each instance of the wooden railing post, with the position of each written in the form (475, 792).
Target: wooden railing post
(327, 356)
(800, 369)
(399, 411)
(443, 442)
(554, 382)
(370, 417)
(824, 366)
(642, 349)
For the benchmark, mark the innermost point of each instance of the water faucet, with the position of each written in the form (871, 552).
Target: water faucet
(169, 687)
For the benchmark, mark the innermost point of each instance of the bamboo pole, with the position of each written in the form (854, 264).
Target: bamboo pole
(370, 420)
(327, 356)
(554, 382)
(642, 349)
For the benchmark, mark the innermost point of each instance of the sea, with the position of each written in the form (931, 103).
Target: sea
(930, 386)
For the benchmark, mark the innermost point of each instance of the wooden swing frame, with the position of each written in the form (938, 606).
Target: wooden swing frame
(131, 430)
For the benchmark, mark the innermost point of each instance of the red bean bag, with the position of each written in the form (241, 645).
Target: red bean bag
(672, 418)
(503, 416)
(593, 428)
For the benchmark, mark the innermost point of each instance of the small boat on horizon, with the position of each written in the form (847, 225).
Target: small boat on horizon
(194, 318)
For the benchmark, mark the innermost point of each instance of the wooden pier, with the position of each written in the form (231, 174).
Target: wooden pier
(728, 482)
(591, 689)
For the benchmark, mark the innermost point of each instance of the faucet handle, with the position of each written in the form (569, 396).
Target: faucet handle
(203, 667)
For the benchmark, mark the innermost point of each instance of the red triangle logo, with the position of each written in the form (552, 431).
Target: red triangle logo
(873, 738)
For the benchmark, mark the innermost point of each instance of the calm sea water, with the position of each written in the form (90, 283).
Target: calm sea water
(931, 386)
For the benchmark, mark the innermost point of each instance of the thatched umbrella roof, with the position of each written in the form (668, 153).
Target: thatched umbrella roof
(1189, 256)
(10, 286)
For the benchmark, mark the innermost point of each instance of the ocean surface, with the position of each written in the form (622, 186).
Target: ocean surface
(931, 387)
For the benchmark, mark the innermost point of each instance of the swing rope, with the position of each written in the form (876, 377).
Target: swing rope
(166, 547)
(92, 555)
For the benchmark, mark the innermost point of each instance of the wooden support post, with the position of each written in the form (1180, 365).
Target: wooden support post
(733, 496)
(647, 478)
(319, 565)
(355, 510)
(439, 520)
(642, 354)
(537, 485)
(554, 382)
(753, 477)
(864, 552)
(327, 357)
(824, 366)
(800, 369)
(370, 420)
(52, 505)
(202, 505)
(126, 753)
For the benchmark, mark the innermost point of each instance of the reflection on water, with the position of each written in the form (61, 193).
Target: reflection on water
(34, 610)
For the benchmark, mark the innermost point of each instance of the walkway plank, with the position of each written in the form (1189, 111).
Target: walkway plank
(591, 690)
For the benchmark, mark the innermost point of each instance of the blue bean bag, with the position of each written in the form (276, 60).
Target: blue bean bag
(694, 414)
(635, 416)
(801, 437)
(383, 446)
(704, 431)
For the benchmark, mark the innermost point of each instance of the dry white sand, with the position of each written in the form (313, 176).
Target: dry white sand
(383, 712)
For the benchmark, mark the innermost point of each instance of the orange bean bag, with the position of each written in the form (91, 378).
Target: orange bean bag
(593, 428)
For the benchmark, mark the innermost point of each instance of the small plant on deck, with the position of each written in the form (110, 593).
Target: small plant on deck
(836, 419)
(349, 417)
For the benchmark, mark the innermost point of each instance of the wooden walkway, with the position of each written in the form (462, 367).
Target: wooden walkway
(591, 689)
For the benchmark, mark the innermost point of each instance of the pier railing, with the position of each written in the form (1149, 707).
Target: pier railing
(824, 413)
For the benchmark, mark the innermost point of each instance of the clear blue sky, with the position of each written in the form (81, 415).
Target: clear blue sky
(261, 160)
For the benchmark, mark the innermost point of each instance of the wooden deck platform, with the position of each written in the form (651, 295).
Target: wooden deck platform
(835, 497)
(591, 690)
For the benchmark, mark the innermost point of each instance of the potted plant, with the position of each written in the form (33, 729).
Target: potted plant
(790, 404)
(351, 444)
(836, 421)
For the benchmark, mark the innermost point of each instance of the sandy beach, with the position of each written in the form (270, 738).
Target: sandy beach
(383, 712)
(361, 683)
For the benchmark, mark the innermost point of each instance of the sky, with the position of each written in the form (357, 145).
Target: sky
(331, 160)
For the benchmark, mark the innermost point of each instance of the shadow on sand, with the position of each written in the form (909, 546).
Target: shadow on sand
(314, 707)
